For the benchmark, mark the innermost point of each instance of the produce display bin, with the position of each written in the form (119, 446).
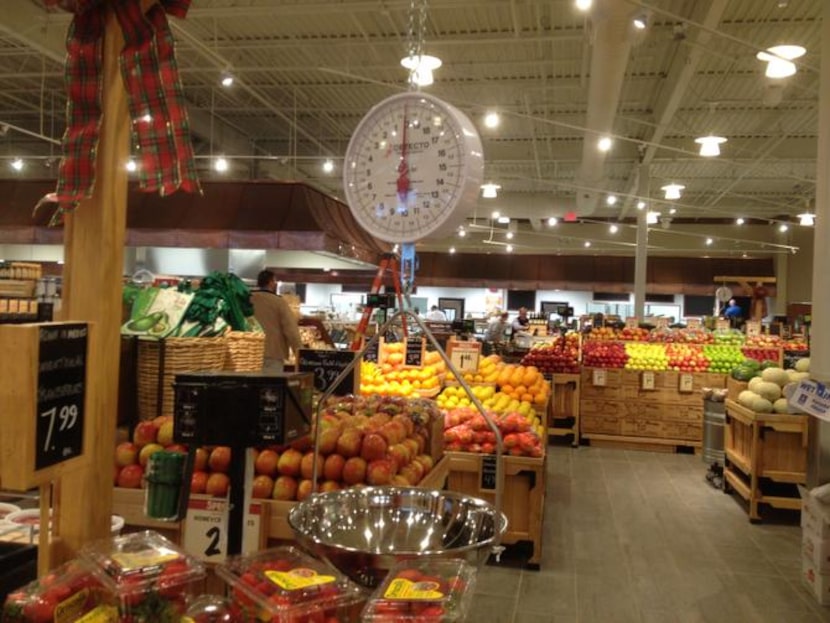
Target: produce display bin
(563, 414)
(766, 456)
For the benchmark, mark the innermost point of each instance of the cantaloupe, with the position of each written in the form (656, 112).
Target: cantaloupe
(775, 375)
(746, 398)
(767, 390)
(796, 376)
(753, 383)
(803, 364)
(761, 405)
(781, 406)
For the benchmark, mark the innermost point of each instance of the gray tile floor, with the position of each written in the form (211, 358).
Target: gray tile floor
(640, 537)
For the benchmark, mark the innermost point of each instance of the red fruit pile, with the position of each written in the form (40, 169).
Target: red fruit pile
(149, 437)
(560, 357)
(604, 354)
(466, 430)
(761, 354)
(686, 358)
(634, 334)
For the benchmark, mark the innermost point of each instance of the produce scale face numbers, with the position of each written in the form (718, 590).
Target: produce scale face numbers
(61, 392)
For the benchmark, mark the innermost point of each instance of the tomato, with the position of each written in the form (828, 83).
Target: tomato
(39, 610)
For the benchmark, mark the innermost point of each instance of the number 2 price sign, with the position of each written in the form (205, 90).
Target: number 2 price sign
(60, 393)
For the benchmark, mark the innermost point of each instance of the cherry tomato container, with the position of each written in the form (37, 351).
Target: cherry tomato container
(437, 591)
(211, 609)
(66, 594)
(150, 578)
(285, 585)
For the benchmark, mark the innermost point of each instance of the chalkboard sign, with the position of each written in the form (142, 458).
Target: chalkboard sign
(414, 351)
(488, 472)
(326, 365)
(60, 393)
(372, 353)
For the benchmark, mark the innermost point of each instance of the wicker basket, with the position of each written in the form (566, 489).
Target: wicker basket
(160, 360)
(244, 351)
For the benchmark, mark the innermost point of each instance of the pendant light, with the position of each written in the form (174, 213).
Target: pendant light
(779, 60)
(710, 145)
(672, 191)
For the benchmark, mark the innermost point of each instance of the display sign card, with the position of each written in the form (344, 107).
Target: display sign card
(414, 355)
(599, 377)
(371, 353)
(647, 380)
(662, 322)
(488, 472)
(465, 358)
(206, 528)
(811, 397)
(61, 391)
(693, 323)
(631, 322)
(753, 328)
(686, 384)
(327, 365)
(721, 324)
(252, 537)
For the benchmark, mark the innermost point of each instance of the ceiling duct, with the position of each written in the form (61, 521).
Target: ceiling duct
(611, 37)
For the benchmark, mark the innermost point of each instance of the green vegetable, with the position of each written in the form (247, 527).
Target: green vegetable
(146, 323)
(221, 296)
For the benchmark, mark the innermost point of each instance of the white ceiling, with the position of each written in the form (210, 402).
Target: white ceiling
(307, 70)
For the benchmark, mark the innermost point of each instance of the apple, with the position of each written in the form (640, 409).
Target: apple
(217, 485)
(161, 419)
(401, 454)
(304, 489)
(126, 453)
(176, 447)
(145, 432)
(165, 433)
(427, 461)
(285, 488)
(266, 463)
(379, 472)
(200, 460)
(394, 432)
(198, 482)
(303, 444)
(220, 459)
(263, 486)
(147, 451)
(374, 447)
(290, 462)
(130, 476)
(329, 485)
(333, 467)
(307, 466)
(354, 471)
(399, 480)
(349, 443)
(328, 440)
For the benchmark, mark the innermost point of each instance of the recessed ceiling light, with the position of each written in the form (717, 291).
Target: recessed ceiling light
(672, 210)
(807, 219)
(509, 235)
(611, 200)
(652, 218)
(640, 22)
(552, 221)
(221, 165)
(605, 143)
(783, 227)
(641, 205)
(583, 5)
(131, 165)
(613, 229)
(452, 249)
(587, 244)
(492, 120)
(709, 241)
(226, 81)
(17, 164)
(328, 166)
(509, 248)
(503, 220)
(739, 221)
(495, 214)
(462, 233)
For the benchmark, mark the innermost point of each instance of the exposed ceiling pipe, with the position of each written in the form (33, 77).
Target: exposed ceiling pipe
(612, 39)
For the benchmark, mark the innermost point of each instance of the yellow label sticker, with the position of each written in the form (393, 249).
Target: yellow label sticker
(71, 608)
(407, 590)
(148, 558)
(298, 578)
(100, 614)
(187, 620)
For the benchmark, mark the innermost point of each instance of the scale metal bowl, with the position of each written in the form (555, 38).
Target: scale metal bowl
(365, 531)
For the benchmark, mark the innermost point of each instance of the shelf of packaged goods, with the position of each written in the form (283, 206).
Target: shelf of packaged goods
(563, 411)
(767, 446)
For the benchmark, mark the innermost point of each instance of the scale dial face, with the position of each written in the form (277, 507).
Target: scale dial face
(413, 168)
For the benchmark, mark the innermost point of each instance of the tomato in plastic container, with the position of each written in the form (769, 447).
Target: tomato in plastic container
(285, 585)
(437, 591)
(150, 577)
(69, 593)
(211, 609)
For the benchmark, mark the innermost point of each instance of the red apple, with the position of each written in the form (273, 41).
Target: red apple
(379, 472)
(165, 433)
(349, 443)
(126, 453)
(333, 467)
(200, 461)
(147, 451)
(303, 489)
(400, 454)
(130, 476)
(374, 447)
(263, 486)
(145, 432)
(307, 466)
(328, 440)
(354, 471)
(217, 485)
(176, 447)
(329, 485)
(290, 462)
(266, 463)
(394, 432)
(285, 488)
(198, 482)
(220, 459)
(158, 421)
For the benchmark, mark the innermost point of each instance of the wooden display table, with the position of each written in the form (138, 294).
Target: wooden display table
(767, 446)
(563, 414)
(523, 501)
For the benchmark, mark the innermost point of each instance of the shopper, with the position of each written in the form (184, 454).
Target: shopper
(732, 312)
(282, 333)
(521, 322)
(436, 315)
(494, 333)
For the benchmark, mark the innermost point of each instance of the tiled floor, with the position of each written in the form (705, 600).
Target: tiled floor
(639, 537)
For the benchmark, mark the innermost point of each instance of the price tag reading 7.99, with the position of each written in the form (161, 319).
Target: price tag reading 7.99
(61, 390)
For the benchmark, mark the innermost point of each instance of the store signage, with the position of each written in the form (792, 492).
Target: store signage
(753, 328)
(662, 322)
(647, 380)
(327, 365)
(631, 322)
(686, 384)
(813, 398)
(61, 392)
(599, 377)
(414, 355)
(252, 529)
(206, 528)
(693, 323)
(488, 472)
(371, 353)
(721, 324)
(464, 356)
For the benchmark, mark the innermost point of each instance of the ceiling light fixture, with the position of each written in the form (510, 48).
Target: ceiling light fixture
(605, 143)
(452, 249)
(779, 60)
(227, 80)
(509, 248)
(462, 233)
(613, 229)
(641, 205)
(652, 218)
(783, 227)
(583, 5)
(131, 166)
(492, 120)
(421, 68)
(709, 242)
(611, 200)
(672, 210)
(552, 221)
(490, 190)
(509, 235)
(710, 145)
(587, 244)
(672, 191)
(17, 164)
(807, 219)
(503, 220)
(328, 165)
(640, 22)
(495, 214)
(220, 164)
(739, 221)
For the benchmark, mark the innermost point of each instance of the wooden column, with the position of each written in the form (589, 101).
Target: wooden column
(94, 249)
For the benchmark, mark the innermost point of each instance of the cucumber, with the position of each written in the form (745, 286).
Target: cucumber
(147, 322)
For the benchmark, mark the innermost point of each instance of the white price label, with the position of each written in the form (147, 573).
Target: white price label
(632, 322)
(600, 377)
(465, 359)
(252, 530)
(687, 383)
(693, 323)
(647, 380)
(753, 328)
(206, 528)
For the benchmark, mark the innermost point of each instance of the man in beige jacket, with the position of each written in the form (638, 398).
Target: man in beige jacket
(274, 315)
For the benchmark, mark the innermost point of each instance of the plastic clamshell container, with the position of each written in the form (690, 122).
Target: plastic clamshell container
(285, 585)
(436, 591)
(210, 609)
(150, 577)
(67, 594)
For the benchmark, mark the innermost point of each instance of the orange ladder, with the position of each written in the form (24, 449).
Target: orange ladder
(388, 263)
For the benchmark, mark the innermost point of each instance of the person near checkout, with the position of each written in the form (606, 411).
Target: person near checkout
(732, 312)
(436, 315)
(521, 322)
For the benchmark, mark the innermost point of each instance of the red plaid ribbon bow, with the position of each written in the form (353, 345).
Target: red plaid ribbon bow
(160, 127)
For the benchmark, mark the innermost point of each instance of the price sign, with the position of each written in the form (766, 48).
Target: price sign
(206, 528)
(252, 534)
(372, 353)
(414, 351)
(60, 393)
(327, 365)
(465, 358)
(647, 380)
(488, 472)
(662, 322)
(631, 322)
(599, 377)
(687, 383)
(753, 328)
(721, 324)
(693, 323)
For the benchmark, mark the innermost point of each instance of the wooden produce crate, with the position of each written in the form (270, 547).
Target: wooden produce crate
(763, 452)
(563, 412)
(612, 390)
(523, 499)
(734, 388)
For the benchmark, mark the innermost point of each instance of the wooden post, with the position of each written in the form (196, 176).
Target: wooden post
(94, 251)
